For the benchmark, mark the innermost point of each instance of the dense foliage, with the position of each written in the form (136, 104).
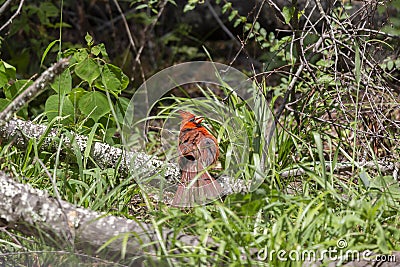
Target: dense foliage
(328, 71)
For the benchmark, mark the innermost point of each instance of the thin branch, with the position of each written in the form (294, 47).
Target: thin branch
(105, 156)
(13, 16)
(5, 6)
(383, 167)
(222, 25)
(36, 88)
(19, 132)
(33, 212)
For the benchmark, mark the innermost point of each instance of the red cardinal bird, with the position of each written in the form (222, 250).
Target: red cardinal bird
(198, 149)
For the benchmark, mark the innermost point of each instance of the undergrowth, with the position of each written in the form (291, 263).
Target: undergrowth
(315, 192)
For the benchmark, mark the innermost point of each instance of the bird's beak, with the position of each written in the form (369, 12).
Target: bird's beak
(198, 120)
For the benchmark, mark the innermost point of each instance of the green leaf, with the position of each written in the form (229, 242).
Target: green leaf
(232, 15)
(4, 103)
(320, 149)
(390, 65)
(110, 80)
(90, 139)
(7, 72)
(53, 106)
(287, 13)
(226, 6)
(49, 9)
(141, 6)
(88, 70)
(357, 63)
(16, 88)
(94, 104)
(325, 63)
(3, 79)
(109, 134)
(47, 51)
(263, 33)
(80, 55)
(397, 62)
(365, 178)
(103, 50)
(237, 22)
(95, 50)
(75, 95)
(247, 27)
(8, 69)
(89, 39)
(188, 7)
(120, 108)
(113, 79)
(63, 83)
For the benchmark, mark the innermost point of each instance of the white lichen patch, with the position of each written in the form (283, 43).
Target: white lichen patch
(73, 219)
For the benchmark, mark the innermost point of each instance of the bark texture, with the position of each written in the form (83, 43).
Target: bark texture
(19, 132)
(63, 225)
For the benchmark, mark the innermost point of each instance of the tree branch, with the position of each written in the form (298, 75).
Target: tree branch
(30, 93)
(21, 3)
(33, 212)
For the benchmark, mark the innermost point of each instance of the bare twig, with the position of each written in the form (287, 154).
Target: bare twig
(33, 212)
(5, 6)
(21, 3)
(383, 167)
(221, 24)
(31, 92)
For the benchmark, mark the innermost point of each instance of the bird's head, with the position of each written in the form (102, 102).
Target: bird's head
(189, 120)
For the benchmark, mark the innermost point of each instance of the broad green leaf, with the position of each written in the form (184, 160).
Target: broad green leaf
(16, 88)
(103, 50)
(110, 80)
(88, 70)
(79, 56)
(113, 79)
(3, 79)
(233, 14)
(365, 178)
(49, 9)
(8, 69)
(226, 6)
(7, 72)
(53, 107)
(121, 107)
(75, 95)
(4, 103)
(287, 13)
(94, 104)
(109, 134)
(124, 80)
(95, 50)
(63, 83)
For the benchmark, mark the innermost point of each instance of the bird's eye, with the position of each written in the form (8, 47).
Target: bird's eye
(192, 119)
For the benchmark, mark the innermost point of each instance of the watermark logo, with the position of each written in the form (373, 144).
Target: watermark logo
(236, 85)
(338, 253)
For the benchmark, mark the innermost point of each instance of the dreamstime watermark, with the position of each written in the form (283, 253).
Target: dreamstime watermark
(236, 85)
(337, 253)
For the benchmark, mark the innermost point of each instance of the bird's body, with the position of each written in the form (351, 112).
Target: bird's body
(198, 149)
